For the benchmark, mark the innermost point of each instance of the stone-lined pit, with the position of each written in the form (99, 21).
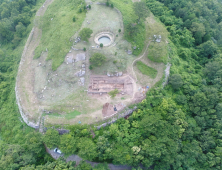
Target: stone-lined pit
(106, 38)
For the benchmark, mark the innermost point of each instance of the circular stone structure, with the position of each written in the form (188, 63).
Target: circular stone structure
(106, 38)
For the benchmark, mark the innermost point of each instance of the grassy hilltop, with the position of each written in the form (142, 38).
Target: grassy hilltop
(175, 127)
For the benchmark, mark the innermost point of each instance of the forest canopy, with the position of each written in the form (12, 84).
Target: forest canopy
(176, 127)
(14, 18)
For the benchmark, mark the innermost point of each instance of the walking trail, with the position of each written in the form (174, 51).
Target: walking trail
(134, 74)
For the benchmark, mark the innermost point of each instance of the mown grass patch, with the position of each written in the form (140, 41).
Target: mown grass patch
(68, 116)
(57, 29)
(158, 52)
(146, 70)
(72, 115)
(129, 16)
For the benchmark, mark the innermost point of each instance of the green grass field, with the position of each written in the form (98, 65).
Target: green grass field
(146, 70)
(57, 29)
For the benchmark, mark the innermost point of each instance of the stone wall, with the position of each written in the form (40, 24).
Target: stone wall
(121, 115)
(23, 115)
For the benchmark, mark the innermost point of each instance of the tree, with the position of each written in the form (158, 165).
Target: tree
(87, 149)
(121, 154)
(84, 49)
(85, 33)
(132, 29)
(1, 53)
(141, 10)
(84, 166)
(198, 30)
(100, 166)
(60, 164)
(112, 6)
(176, 81)
(15, 156)
(103, 148)
(101, 45)
(51, 138)
(211, 69)
(206, 37)
(74, 19)
(208, 49)
(67, 144)
(97, 59)
(119, 30)
(113, 93)
(181, 99)
(89, 6)
(20, 30)
(33, 142)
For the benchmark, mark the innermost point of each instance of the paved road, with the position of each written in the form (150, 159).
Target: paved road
(77, 159)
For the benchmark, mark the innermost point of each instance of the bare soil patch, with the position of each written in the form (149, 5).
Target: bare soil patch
(104, 84)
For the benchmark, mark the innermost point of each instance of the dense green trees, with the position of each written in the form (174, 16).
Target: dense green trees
(176, 81)
(14, 18)
(51, 139)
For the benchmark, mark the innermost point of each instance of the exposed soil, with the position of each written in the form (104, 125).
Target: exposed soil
(104, 84)
(110, 110)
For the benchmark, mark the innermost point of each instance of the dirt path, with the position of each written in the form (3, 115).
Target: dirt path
(145, 52)
(134, 74)
(77, 159)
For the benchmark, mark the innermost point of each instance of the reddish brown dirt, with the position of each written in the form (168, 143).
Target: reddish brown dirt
(104, 84)
(108, 109)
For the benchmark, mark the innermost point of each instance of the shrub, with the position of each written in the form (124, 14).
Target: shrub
(90, 67)
(85, 33)
(101, 45)
(114, 62)
(89, 6)
(119, 30)
(97, 59)
(107, 3)
(113, 93)
(115, 53)
(84, 49)
(112, 6)
(80, 10)
(51, 138)
(74, 19)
